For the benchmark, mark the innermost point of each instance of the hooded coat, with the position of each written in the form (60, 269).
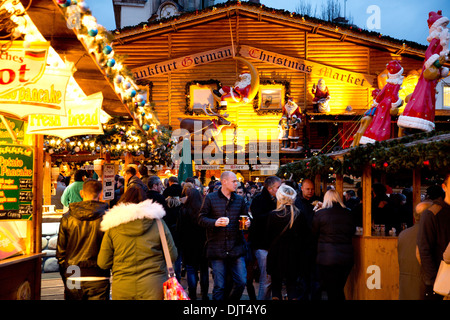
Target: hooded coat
(79, 238)
(132, 248)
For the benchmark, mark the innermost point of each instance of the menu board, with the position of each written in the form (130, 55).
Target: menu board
(16, 182)
(108, 181)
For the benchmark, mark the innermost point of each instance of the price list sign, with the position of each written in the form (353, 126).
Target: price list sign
(16, 182)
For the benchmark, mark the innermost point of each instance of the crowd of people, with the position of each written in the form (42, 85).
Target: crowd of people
(294, 244)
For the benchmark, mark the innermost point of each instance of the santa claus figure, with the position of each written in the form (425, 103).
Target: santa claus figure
(237, 94)
(293, 115)
(379, 128)
(321, 97)
(420, 110)
(283, 136)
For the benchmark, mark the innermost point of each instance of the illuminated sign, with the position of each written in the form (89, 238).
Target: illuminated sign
(28, 85)
(306, 66)
(83, 117)
(190, 61)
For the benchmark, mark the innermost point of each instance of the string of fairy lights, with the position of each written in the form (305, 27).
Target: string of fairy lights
(143, 135)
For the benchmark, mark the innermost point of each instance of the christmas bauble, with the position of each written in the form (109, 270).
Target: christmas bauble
(111, 62)
(107, 49)
(64, 3)
(146, 127)
(92, 32)
(118, 79)
(132, 93)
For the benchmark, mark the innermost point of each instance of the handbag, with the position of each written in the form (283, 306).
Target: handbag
(172, 288)
(442, 282)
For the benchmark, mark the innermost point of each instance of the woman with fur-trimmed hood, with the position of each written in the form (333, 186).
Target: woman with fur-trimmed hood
(132, 247)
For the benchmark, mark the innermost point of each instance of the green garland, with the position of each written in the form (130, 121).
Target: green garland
(389, 156)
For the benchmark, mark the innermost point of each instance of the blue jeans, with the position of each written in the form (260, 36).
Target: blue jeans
(220, 268)
(264, 280)
(192, 279)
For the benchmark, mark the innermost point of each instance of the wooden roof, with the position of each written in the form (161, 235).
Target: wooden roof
(261, 13)
(50, 20)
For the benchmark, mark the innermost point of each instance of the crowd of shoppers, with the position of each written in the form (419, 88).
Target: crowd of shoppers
(292, 241)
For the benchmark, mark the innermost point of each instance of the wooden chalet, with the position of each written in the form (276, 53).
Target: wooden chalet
(289, 51)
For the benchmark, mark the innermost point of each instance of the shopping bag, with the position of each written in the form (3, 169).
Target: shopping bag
(442, 282)
(173, 290)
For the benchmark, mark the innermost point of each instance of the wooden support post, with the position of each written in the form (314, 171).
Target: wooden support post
(38, 177)
(340, 185)
(317, 185)
(47, 182)
(367, 201)
(416, 186)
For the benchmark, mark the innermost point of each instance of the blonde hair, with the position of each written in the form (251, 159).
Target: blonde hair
(330, 198)
(286, 196)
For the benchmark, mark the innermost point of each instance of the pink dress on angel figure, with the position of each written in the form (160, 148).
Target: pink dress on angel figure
(420, 111)
(380, 127)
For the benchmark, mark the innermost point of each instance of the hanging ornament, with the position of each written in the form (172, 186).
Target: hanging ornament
(107, 49)
(64, 3)
(111, 62)
(132, 93)
(92, 32)
(118, 79)
(83, 6)
(146, 127)
(127, 85)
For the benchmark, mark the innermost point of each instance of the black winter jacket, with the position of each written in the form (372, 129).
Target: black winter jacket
(433, 238)
(80, 238)
(223, 242)
(333, 229)
(262, 205)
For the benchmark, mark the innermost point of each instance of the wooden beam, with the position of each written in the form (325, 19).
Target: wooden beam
(416, 186)
(340, 185)
(367, 201)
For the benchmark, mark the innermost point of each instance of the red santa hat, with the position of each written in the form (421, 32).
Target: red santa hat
(435, 19)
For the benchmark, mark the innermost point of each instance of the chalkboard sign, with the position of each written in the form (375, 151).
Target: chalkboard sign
(16, 182)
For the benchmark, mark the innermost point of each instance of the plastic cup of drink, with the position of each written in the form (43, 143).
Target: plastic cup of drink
(242, 222)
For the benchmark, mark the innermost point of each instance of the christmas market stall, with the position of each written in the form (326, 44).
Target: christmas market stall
(416, 161)
(301, 85)
(59, 86)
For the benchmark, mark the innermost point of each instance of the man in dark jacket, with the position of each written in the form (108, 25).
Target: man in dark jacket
(306, 202)
(263, 203)
(131, 178)
(225, 244)
(174, 189)
(155, 186)
(79, 241)
(433, 238)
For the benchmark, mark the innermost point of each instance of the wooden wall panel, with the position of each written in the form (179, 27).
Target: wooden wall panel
(169, 90)
(343, 55)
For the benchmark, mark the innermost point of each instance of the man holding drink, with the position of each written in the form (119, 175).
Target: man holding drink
(225, 244)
